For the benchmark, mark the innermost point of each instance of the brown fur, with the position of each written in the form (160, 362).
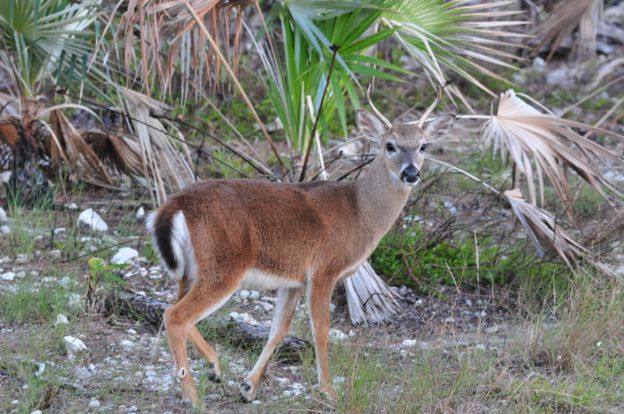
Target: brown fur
(311, 233)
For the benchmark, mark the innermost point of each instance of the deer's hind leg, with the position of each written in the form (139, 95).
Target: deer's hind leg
(204, 297)
(202, 346)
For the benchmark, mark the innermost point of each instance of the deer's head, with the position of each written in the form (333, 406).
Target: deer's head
(403, 144)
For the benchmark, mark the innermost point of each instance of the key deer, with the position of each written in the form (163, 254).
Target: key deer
(218, 236)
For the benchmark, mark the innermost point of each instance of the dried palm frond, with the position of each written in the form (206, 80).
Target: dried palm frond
(544, 145)
(77, 152)
(169, 37)
(166, 166)
(545, 231)
(566, 16)
(9, 133)
(120, 151)
(369, 297)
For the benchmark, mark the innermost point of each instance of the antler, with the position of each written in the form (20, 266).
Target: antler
(424, 116)
(374, 108)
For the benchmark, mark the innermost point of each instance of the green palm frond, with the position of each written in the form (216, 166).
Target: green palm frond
(456, 38)
(46, 37)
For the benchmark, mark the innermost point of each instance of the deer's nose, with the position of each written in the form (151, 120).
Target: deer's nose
(410, 175)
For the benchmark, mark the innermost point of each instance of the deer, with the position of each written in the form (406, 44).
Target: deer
(217, 236)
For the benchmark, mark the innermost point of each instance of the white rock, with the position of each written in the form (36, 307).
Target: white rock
(41, 369)
(36, 412)
(613, 175)
(127, 344)
(254, 295)
(243, 317)
(5, 229)
(450, 207)
(73, 300)
(562, 76)
(94, 404)
(243, 294)
(124, 255)
(140, 214)
(8, 276)
(83, 373)
(409, 343)
(71, 206)
(539, 64)
(74, 345)
(59, 230)
(266, 305)
(92, 220)
(339, 380)
(61, 320)
(15, 402)
(3, 216)
(21, 258)
(5, 176)
(337, 335)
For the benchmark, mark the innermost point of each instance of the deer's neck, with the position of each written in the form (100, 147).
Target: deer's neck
(380, 200)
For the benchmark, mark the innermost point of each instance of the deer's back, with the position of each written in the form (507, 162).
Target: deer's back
(283, 229)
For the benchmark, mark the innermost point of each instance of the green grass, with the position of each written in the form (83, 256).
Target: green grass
(34, 305)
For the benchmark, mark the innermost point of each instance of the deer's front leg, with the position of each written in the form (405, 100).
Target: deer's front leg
(287, 300)
(319, 300)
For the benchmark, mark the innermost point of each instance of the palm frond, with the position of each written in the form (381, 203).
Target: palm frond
(566, 16)
(458, 37)
(369, 298)
(170, 39)
(547, 232)
(77, 152)
(46, 37)
(166, 166)
(543, 145)
(121, 152)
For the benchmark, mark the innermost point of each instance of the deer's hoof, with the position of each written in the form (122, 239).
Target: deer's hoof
(247, 391)
(213, 373)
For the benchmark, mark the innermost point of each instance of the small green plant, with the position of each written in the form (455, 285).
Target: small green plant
(100, 272)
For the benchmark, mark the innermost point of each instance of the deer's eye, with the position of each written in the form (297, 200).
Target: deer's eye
(423, 147)
(390, 147)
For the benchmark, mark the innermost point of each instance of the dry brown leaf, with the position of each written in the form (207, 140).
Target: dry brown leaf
(169, 37)
(9, 132)
(85, 162)
(122, 152)
(566, 16)
(546, 232)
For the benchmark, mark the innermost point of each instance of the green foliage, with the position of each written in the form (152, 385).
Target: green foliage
(30, 304)
(310, 39)
(462, 262)
(46, 38)
(400, 254)
(100, 272)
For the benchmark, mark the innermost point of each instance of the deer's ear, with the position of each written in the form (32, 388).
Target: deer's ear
(369, 124)
(439, 127)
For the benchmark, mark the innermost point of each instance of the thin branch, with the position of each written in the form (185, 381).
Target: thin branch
(334, 49)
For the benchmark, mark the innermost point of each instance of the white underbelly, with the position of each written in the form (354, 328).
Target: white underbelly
(258, 280)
